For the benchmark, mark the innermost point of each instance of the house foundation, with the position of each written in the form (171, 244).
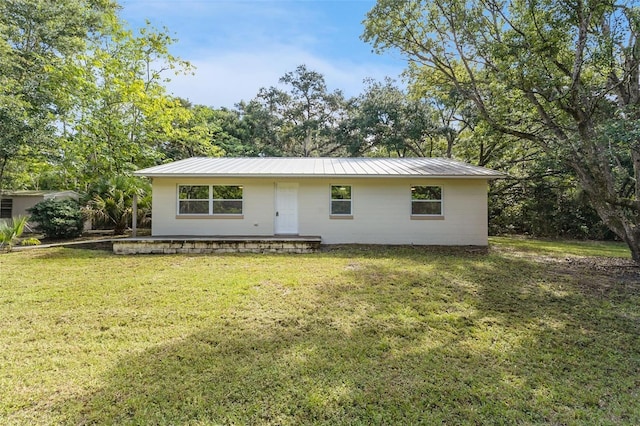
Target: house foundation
(222, 244)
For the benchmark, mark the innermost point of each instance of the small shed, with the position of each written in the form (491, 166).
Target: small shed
(16, 203)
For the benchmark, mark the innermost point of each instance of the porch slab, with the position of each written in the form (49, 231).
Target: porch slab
(217, 244)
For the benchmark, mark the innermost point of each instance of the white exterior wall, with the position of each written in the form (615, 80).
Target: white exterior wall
(381, 210)
(257, 218)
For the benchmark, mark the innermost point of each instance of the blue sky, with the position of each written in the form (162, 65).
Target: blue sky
(240, 46)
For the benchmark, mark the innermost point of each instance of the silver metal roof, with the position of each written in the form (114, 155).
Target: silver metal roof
(318, 167)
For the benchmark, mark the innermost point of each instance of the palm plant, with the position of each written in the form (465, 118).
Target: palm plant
(10, 231)
(111, 203)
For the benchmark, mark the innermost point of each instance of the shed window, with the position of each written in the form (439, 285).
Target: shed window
(6, 208)
(426, 200)
(341, 200)
(209, 200)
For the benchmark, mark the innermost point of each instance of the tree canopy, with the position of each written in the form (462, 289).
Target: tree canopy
(39, 41)
(562, 75)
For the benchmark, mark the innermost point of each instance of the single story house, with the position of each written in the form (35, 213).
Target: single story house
(16, 203)
(421, 201)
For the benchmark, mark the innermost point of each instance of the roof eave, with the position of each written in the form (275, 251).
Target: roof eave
(317, 176)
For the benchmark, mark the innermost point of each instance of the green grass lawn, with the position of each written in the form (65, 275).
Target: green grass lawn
(354, 335)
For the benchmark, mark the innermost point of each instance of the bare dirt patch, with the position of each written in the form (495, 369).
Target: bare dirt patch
(598, 276)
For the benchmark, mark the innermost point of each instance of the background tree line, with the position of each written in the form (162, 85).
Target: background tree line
(542, 91)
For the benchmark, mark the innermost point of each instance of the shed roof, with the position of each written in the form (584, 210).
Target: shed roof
(38, 193)
(318, 167)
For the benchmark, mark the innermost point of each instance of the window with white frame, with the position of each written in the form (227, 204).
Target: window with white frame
(341, 200)
(210, 199)
(426, 200)
(227, 199)
(193, 199)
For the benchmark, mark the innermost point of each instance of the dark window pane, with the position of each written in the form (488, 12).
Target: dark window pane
(340, 192)
(426, 193)
(6, 208)
(194, 207)
(426, 207)
(227, 207)
(227, 192)
(194, 192)
(341, 207)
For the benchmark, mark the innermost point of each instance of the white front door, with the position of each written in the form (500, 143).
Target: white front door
(286, 208)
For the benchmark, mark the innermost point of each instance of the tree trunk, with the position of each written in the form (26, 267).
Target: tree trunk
(450, 141)
(614, 216)
(633, 241)
(628, 232)
(3, 163)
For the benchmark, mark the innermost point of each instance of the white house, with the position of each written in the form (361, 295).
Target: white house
(421, 201)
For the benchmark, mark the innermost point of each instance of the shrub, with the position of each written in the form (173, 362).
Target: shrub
(58, 218)
(31, 241)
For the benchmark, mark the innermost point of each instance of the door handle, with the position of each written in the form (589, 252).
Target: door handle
(277, 213)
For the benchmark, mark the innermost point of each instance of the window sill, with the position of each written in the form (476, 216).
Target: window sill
(210, 216)
(341, 216)
(427, 217)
